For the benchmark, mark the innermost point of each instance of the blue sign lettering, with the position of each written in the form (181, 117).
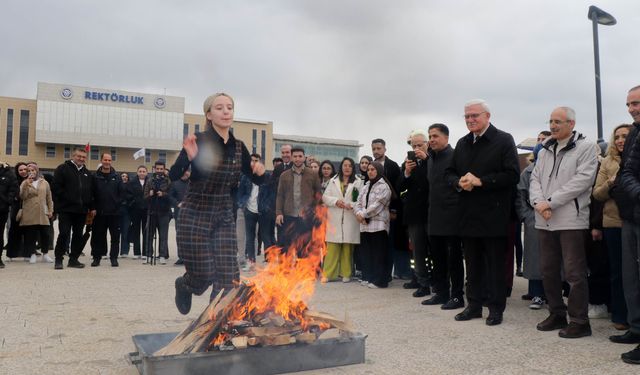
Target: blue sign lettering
(114, 97)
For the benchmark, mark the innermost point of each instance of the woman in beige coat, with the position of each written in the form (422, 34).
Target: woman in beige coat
(37, 209)
(612, 223)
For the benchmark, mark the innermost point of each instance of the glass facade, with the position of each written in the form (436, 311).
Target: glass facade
(23, 148)
(9, 146)
(254, 140)
(51, 151)
(321, 152)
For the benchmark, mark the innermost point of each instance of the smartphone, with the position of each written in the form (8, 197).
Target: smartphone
(411, 155)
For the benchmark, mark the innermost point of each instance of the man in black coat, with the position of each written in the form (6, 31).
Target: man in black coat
(446, 250)
(413, 180)
(109, 193)
(484, 170)
(156, 194)
(8, 191)
(72, 200)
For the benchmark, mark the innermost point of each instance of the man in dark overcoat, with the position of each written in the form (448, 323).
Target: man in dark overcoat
(484, 170)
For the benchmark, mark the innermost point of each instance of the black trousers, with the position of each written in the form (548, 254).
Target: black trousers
(373, 247)
(33, 233)
(3, 222)
(101, 224)
(295, 232)
(158, 222)
(138, 223)
(485, 263)
(71, 226)
(448, 267)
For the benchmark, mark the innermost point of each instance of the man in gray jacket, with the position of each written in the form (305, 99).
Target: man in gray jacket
(560, 192)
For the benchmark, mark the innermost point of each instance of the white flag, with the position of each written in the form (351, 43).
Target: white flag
(139, 154)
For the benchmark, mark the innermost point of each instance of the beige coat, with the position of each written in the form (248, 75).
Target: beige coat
(36, 204)
(343, 227)
(609, 168)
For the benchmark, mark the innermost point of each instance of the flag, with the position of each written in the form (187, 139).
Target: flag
(87, 148)
(139, 154)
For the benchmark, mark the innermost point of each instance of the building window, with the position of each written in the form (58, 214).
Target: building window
(162, 155)
(185, 131)
(254, 140)
(147, 156)
(263, 146)
(113, 154)
(67, 151)
(197, 128)
(9, 147)
(51, 151)
(23, 149)
(95, 153)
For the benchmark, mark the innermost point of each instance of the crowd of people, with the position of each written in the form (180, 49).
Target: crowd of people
(456, 211)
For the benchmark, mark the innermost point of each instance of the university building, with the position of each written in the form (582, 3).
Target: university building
(46, 130)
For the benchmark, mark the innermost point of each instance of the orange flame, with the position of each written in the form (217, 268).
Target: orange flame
(287, 282)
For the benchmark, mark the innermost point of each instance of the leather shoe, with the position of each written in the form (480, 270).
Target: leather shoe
(73, 263)
(468, 314)
(421, 292)
(575, 330)
(114, 262)
(494, 320)
(58, 265)
(183, 296)
(96, 262)
(552, 322)
(453, 303)
(627, 338)
(632, 357)
(438, 299)
(413, 284)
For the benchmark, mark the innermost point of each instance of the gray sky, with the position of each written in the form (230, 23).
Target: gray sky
(339, 69)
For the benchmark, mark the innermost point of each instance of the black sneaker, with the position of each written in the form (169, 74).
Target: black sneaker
(183, 296)
(453, 303)
(179, 262)
(58, 265)
(1, 264)
(632, 357)
(73, 263)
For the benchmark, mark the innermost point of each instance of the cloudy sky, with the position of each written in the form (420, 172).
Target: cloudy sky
(338, 69)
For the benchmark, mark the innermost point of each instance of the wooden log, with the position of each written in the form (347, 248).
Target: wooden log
(240, 342)
(306, 337)
(321, 317)
(331, 333)
(277, 340)
(276, 320)
(253, 341)
(198, 335)
(266, 331)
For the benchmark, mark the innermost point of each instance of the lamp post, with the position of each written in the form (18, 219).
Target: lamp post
(598, 16)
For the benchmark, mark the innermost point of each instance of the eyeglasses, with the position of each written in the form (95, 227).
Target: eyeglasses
(557, 122)
(473, 115)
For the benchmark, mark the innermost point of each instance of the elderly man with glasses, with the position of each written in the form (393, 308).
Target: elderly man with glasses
(484, 171)
(560, 192)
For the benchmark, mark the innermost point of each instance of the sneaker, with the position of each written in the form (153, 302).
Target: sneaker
(73, 263)
(598, 312)
(163, 260)
(114, 262)
(179, 262)
(183, 296)
(632, 357)
(364, 283)
(33, 259)
(346, 279)
(536, 303)
(1, 264)
(58, 265)
(372, 286)
(146, 261)
(47, 259)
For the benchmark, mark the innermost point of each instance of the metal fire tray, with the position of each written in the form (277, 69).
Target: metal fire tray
(253, 360)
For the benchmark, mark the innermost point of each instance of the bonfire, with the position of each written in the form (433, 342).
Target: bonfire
(270, 308)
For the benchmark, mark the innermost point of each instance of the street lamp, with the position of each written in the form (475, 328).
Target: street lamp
(598, 16)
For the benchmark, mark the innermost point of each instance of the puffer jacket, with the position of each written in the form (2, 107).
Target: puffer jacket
(609, 168)
(377, 211)
(564, 181)
(72, 189)
(109, 192)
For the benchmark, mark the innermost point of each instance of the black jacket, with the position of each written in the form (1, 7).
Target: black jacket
(624, 190)
(134, 193)
(177, 190)
(444, 207)
(72, 189)
(8, 187)
(627, 187)
(416, 199)
(109, 192)
(158, 204)
(485, 210)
